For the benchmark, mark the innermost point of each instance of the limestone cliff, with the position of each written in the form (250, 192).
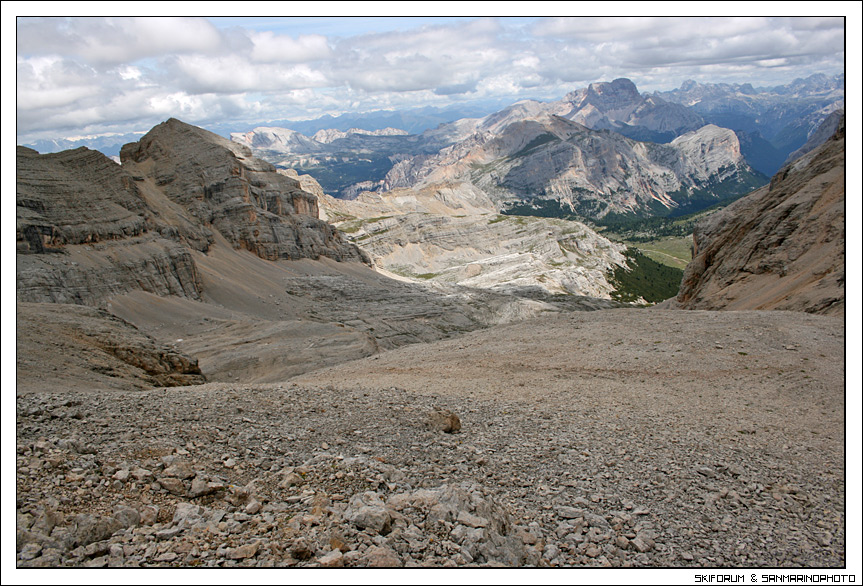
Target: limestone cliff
(85, 231)
(592, 173)
(221, 184)
(88, 228)
(780, 247)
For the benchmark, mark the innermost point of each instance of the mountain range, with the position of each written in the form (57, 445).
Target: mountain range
(774, 120)
(769, 123)
(202, 250)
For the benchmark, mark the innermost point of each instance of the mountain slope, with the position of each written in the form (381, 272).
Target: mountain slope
(781, 247)
(592, 173)
(216, 255)
(452, 233)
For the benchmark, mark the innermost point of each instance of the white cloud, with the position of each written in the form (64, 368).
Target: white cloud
(116, 70)
(235, 73)
(272, 48)
(129, 72)
(116, 40)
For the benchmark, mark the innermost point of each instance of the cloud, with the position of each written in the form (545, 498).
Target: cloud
(450, 90)
(108, 70)
(431, 57)
(272, 48)
(235, 73)
(116, 40)
(652, 42)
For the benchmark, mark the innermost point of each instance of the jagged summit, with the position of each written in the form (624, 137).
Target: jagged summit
(618, 106)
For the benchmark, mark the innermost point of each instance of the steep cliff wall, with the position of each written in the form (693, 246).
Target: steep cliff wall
(781, 247)
(221, 184)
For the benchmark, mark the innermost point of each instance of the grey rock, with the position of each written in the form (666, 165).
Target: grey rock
(381, 557)
(569, 512)
(127, 516)
(243, 552)
(374, 518)
(92, 528)
(173, 485)
(187, 515)
(469, 520)
(181, 470)
(641, 545)
(168, 533)
(333, 559)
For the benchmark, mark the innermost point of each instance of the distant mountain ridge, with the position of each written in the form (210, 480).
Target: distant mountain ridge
(618, 106)
(784, 116)
(547, 160)
(402, 160)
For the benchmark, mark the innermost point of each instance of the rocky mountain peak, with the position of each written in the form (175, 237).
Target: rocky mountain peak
(619, 90)
(710, 151)
(688, 85)
(136, 226)
(219, 182)
(618, 106)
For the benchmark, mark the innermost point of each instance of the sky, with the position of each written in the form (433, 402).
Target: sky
(84, 75)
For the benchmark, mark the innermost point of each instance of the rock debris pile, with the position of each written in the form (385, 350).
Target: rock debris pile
(301, 476)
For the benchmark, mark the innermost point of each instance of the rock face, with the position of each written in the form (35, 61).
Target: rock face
(85, 230)
(551, 159)
(90, 232)
(88, 228)
(781, 247)
(618, 106)
(220, 183)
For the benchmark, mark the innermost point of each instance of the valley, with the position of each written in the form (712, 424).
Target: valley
(221, 365)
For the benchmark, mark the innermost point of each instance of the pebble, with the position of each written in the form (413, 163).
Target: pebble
(401, 492)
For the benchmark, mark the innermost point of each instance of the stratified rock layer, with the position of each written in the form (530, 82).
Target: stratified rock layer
(220, 183)
(781, 247)
(88, 228)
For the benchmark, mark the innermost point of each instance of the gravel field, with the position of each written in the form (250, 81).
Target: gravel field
(617, 438)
